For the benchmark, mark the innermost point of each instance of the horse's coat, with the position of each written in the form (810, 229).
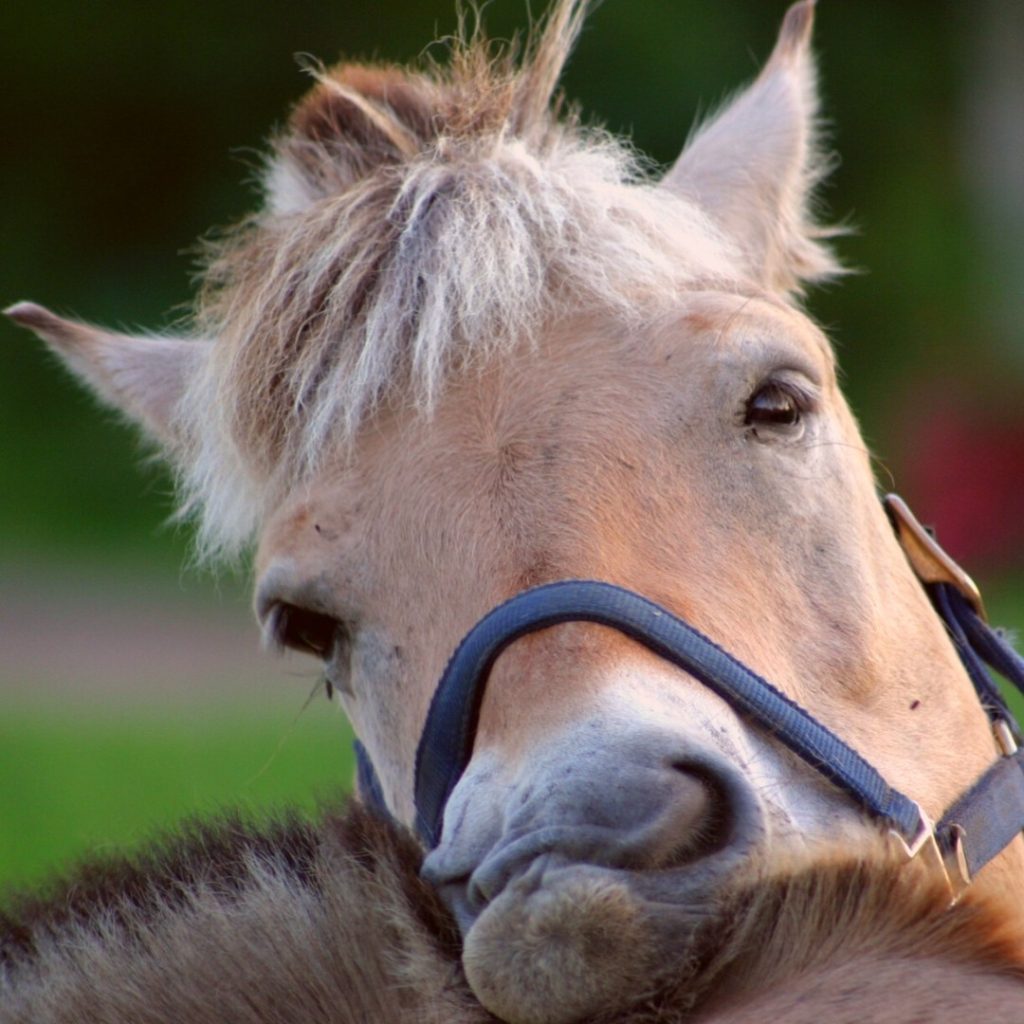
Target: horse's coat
(333, 925)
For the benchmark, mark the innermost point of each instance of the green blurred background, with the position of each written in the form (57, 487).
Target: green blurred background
(131, 688)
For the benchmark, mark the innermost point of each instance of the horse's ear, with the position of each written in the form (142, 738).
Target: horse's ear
(753, 167)
(143, 377)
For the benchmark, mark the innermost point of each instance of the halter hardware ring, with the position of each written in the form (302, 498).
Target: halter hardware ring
(927, 558)
(952, 865)
(960, 877)
(924, 836)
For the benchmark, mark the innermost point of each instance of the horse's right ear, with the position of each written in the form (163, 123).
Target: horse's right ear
(753, 167)
(142, 377)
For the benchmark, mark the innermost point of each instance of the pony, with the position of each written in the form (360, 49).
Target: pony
(469, 345)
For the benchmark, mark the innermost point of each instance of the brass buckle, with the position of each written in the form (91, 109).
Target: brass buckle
(953, 867)
(926, 557)
(1004, 737)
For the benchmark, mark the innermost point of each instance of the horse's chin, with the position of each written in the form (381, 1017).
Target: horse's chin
(566, 941)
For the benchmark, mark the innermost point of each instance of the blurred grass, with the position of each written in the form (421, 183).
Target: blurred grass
(77, 784)
(1004, 601)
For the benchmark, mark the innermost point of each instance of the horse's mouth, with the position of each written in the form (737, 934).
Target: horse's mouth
(551, 919)
(524, 862)
(563, 940)
(663, 845)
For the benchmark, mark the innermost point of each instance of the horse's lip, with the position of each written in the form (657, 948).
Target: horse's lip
(470, 880)
(443, 870)
(676, 896)
(542, 856)
(567, 844)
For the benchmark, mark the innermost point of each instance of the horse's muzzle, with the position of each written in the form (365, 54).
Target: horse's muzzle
(648, 808)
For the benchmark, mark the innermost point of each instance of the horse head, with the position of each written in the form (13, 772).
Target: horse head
(467, 347)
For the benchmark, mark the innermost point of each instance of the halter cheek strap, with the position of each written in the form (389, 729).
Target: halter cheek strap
(987, 817)
(367, 782)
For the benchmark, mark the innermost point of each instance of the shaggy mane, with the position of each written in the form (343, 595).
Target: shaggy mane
(416, 222)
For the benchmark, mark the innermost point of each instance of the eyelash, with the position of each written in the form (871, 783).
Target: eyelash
(300, 629)
(782, 405)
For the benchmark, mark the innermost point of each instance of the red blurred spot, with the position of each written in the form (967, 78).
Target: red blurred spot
(962, 470)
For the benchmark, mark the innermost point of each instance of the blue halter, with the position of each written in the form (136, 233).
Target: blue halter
(981, 823)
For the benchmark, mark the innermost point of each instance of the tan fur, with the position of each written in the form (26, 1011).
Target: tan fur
(868, 943)
(344, 932)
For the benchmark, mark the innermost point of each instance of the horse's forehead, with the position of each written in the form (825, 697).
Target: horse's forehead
(706, 329)
(727, 319)
(589, 380)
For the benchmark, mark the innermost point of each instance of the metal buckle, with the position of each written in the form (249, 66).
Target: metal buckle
(952, 867)
(957, 858)
(926, 557)
(1004, 737)
(923, 838)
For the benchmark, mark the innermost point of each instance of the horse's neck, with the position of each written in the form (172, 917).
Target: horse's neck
(895, 990)
(1002, 881)
(869, 943)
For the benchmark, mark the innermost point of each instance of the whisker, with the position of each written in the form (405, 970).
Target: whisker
(287, 734)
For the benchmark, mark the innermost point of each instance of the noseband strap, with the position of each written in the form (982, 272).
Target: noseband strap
(977, 827)
(447, 741)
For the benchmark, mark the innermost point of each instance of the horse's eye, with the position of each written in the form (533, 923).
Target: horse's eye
(772, 405)
(301, 629)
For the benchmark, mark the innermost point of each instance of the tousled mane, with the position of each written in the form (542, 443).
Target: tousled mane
(416, 222)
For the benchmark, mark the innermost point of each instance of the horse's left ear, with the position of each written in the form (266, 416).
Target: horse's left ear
(754, 166)
(143, 377)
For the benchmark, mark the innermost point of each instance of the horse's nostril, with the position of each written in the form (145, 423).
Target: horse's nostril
(645, 809)
(710, 826)
(690, 817)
